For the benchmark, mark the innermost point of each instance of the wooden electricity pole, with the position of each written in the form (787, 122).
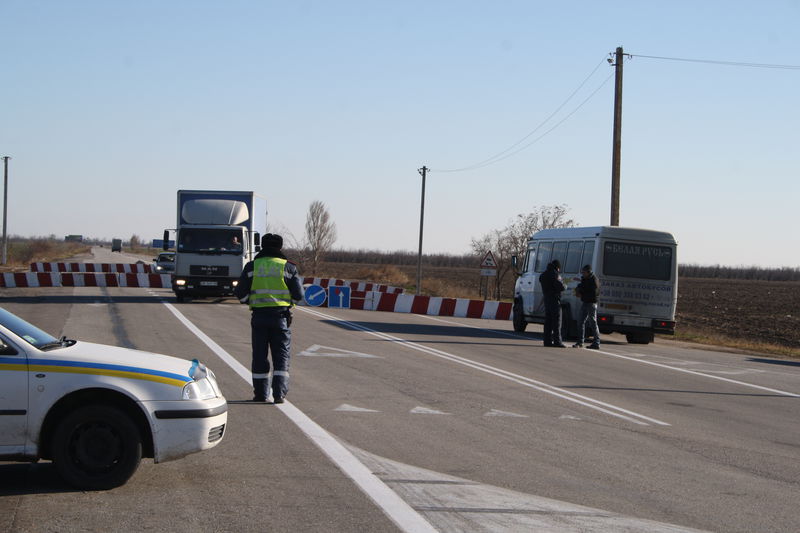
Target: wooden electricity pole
(617, 146)
(423, 172)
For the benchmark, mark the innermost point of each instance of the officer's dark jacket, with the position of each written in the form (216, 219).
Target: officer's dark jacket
(551, 283)
(588, 289)
(291, 276)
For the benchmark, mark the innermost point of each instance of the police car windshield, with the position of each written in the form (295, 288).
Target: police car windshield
(28, 332)
(210, 240)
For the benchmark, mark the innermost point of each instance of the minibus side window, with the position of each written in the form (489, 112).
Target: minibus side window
(573, 263)
(560, 252)
(588, 253)
(543, 257)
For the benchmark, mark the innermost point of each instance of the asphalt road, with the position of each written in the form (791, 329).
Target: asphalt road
(405, 422)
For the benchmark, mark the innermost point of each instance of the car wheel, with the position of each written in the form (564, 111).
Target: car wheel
(97, 447)
(519, 319)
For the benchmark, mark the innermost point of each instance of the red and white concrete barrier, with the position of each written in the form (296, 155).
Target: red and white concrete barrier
(89, 279)
(120, 268)
(429, 305)
(156, 281)
(84, 279)
(439, 306)
(354, 285)
(30, 279)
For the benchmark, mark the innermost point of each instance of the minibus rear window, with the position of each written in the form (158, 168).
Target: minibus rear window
(640, 261)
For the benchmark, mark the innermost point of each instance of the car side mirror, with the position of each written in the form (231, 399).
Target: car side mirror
(5, 349)
(165, 245)
(514, 264)
(256, 239)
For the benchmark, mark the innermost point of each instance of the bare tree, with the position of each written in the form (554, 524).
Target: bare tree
(320, 233)
(513, 239)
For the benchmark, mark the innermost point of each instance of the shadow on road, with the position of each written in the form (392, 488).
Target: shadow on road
(19, 479)
(436, 330)
(782, 362)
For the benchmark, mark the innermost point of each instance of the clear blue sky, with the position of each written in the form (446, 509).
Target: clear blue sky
(109, 107)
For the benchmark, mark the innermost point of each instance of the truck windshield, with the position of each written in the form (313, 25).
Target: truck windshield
(25, 331)
(209, 240)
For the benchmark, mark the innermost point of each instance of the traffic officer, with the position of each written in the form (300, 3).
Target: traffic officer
(270, 284)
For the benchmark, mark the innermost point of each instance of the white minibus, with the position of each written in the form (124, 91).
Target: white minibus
(637, 269)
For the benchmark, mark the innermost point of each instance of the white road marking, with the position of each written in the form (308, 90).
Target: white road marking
(401, 513)
(702, 374)
(580, 399)
(457, 504)
(326, 351)
(353, 409)
(635, 356)
(418, 410)
(497, 412)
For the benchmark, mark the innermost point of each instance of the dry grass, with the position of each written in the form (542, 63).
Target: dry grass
(23, 252)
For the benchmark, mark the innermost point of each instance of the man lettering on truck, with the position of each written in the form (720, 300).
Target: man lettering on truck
(270, 284)
(552, 287)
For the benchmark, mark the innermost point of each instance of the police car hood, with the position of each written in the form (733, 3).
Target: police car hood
(132, 360)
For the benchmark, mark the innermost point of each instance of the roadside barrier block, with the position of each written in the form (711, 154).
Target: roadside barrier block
(119, 268)
(156, 281)
(89, 279)
(30, 279)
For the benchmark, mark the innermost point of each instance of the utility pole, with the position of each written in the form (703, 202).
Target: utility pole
(423, 172)
(5, 207)
(617, 143)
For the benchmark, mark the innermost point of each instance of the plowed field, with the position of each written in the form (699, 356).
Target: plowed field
(755, 311)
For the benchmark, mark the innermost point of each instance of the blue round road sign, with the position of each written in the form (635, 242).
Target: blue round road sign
(314, 295)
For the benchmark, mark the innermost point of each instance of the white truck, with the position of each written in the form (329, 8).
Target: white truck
(637, 269)
(218, 232)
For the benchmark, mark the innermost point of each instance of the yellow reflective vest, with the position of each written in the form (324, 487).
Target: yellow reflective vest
(268, 288)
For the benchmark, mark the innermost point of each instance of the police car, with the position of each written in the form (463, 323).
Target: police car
(96, 410)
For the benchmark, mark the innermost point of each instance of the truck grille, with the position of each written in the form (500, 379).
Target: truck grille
(216, 433)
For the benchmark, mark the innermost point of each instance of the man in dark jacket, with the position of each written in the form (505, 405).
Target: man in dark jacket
(552, 287)
(270, 284)
(588, 290)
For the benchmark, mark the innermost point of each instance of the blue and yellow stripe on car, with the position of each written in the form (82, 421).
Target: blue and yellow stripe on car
(94, 369)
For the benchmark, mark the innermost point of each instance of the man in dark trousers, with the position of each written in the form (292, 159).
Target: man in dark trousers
(270, 284)
(552, 287)
(588, 290)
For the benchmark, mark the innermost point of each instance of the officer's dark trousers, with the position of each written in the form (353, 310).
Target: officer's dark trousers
(552, 321)
(270, 333)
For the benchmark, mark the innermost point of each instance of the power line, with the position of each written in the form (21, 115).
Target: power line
(714, 62)
(500, 155)
(537, 139)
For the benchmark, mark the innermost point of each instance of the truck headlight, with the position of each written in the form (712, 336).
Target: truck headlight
(180, 282)
(235, 282)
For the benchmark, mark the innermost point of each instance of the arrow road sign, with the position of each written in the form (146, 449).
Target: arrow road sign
(314, 295)
(339, 297)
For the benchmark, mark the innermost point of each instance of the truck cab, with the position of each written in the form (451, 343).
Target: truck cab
(218, 233)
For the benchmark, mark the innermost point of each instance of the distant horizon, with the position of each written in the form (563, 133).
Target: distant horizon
(412, 253)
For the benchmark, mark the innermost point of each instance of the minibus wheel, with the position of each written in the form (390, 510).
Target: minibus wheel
(519, 319)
